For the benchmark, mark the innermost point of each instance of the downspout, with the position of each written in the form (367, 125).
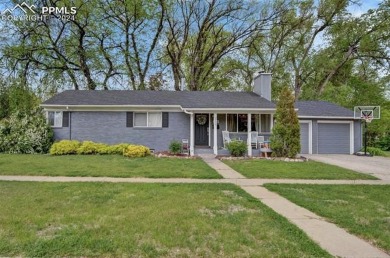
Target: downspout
(192, 134)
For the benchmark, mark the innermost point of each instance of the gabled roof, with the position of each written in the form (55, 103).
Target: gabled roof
(185, 99)
(322, 109)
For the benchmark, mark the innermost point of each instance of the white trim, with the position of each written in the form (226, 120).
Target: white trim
(113, 109)
(147, 119)
(209, 131)
(329, 117)
(192, 134)
(54, 125)
(249, 137)
(310, 134)
(215, 144)
(351, 132)
(223, 110)
(104, 106)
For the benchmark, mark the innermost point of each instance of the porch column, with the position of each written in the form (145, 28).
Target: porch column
(249, 141)
(192, 134)
(215, 145)
(272, 121)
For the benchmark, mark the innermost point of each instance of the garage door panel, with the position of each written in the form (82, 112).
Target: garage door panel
(304, 138)
(333, 138)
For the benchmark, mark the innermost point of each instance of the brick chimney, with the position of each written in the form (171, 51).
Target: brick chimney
(262, 85)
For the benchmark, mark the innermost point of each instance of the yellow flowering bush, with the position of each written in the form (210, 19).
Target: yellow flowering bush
(89, 147)
(136, 151)
(114, 149)
(65, 147)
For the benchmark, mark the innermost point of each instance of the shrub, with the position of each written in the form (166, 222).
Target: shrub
(237, 148)
(65, 147)
(175, 147)
(136, 151)
(89, 147)
(384, 143)
(285, 139)
(375, 151)
(26, 133)
(114, 149)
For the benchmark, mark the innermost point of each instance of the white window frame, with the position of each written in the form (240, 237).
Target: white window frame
(270, 123)
(147, 119)
(61, 120)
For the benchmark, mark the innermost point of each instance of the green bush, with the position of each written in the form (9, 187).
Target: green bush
(65, 147)
(175, 147)
(136, 151)
(384, 143)
(25, 133)
(89, 147)
(237, 148)
(114, 149)
(375, 151)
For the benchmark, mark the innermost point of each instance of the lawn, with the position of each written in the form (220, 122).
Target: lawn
(257, 168)
(143, 220)
(104, 165)
(362, 210)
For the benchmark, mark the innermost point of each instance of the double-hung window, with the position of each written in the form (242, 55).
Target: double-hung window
(147, 119)
(55, 118)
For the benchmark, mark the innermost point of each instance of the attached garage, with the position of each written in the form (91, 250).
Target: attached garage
(335, 137)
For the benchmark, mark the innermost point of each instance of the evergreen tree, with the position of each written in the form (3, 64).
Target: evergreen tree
(285, 139)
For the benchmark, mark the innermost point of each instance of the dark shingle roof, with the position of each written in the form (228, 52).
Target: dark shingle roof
(321, 109)
(186, 99)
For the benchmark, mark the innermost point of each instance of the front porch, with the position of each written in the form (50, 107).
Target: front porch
(206, 130)
(222, 151)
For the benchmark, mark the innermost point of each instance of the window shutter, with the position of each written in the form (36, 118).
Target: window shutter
(129, 119)
(65, 119)
(165, 119)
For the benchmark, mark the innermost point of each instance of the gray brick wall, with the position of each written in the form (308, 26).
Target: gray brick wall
(110, 128)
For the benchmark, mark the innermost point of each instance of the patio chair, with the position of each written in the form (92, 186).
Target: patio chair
(254, 140)
(185, 146)
(226, 138)
(260, 141)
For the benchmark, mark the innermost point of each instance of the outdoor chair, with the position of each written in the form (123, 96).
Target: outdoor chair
(254, 140)
(226, 138)
(185, 146)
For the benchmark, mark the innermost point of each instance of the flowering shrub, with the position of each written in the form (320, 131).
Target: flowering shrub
(25, 133)
(114, 149)
(65, 147)
(89, 147)
(136, 151)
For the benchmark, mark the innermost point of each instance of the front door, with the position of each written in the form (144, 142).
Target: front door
(201, 125)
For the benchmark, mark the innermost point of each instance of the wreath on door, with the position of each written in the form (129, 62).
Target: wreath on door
(201, 119)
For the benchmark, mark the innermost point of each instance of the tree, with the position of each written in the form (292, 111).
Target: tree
(285, 139)
(200, 34)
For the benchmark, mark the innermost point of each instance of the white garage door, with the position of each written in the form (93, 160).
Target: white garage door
(333, 138)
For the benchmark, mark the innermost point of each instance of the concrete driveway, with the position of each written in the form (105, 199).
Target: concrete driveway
(376, 166)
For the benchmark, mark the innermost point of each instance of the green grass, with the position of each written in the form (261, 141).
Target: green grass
(362, 210)
(294, 170)
(143, 220)
(104, 165)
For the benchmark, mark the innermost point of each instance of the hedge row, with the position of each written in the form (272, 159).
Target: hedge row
(67, 147)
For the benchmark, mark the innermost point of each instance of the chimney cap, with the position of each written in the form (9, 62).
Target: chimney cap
(261, 73)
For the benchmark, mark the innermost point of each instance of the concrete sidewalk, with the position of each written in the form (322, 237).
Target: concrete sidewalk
(330, 237)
